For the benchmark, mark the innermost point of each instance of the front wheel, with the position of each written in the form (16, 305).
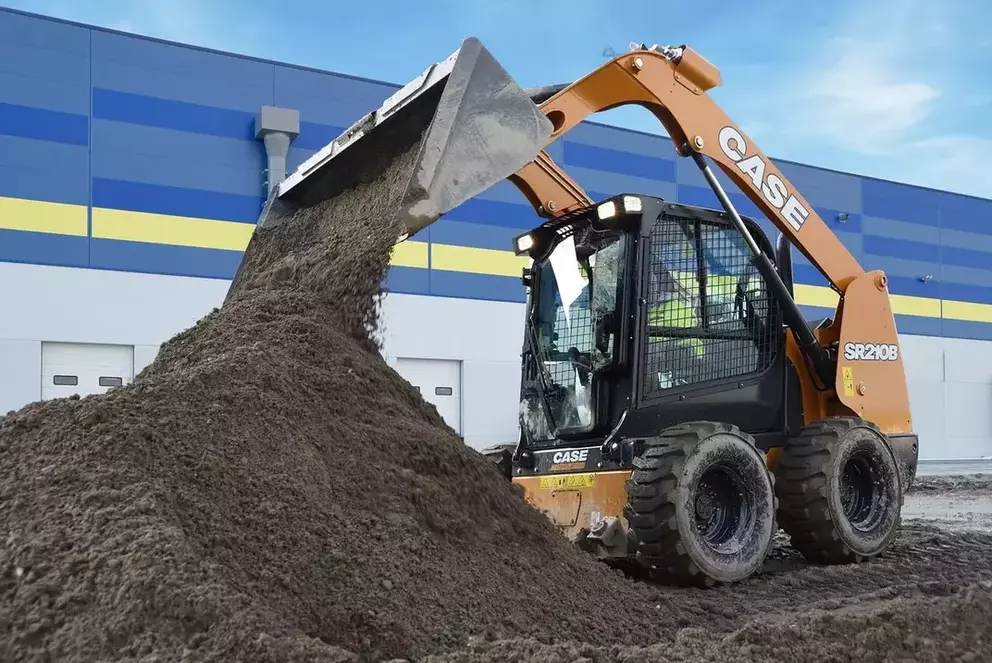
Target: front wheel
(840, 491)
(701, 505)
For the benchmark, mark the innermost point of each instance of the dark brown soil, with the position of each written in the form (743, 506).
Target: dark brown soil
(270, 490)
(269, 487)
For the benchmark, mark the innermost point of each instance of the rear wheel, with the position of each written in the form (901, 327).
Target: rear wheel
(839, 491)
(701, 505)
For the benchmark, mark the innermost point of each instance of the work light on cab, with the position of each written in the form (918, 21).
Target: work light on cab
(523, 243)
(609, 209)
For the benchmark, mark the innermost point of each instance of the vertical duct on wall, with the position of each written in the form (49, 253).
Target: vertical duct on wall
(276, 128)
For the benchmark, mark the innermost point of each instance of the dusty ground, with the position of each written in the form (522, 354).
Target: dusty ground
(928, 599)
(954, 503)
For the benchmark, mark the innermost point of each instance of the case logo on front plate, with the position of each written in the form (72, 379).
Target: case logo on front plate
(871, 352)
(576, 456)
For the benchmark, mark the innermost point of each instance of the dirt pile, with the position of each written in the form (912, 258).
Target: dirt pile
(269, 489)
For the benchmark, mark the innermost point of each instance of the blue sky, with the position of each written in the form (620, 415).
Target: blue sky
(897, 89)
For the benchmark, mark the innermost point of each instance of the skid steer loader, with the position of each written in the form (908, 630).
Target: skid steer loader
(676, 407)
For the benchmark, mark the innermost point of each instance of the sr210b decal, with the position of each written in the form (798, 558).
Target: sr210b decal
(871, 352)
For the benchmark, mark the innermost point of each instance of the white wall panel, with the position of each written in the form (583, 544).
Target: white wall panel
(20, 373)
(950, 380)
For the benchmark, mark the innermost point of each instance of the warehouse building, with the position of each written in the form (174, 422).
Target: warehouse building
(132, 171)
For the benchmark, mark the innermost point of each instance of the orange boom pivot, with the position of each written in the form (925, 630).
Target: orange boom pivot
(672, 83)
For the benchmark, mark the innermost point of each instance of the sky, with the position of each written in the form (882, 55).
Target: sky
(895, 89)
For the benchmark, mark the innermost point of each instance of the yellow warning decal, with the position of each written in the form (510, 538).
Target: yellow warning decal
(566, 481)
(848, 381)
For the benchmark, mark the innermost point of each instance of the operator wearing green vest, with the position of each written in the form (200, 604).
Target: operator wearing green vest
(671, 306)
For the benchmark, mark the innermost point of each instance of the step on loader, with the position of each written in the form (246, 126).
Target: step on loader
(676, 407)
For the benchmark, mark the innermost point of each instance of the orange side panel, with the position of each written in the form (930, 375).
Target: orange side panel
(871, 378)
(570, 500)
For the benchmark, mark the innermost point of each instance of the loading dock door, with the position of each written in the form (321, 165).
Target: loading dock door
(440, 383)
(84, 368)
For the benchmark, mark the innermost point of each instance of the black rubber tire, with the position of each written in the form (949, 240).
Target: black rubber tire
(662, 505)
(812, 483)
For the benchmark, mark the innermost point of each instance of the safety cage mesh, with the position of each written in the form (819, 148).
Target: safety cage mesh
(710, 314)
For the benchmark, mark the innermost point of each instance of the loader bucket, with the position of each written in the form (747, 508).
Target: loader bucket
(481, 127)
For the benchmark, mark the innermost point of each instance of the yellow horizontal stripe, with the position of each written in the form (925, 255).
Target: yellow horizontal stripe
(409, 254)
(63, 219)
(42, 217)
(175, 230)
(476, 261)
(967, 311)
(921, 306)
(815, 295)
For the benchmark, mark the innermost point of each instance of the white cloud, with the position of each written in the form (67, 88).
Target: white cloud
(863, 104)
(950, 162)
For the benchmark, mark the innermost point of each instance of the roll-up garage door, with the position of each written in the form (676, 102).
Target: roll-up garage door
(439, 381)
(84, 368)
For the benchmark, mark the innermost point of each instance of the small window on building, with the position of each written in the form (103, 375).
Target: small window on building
(443, 391)
(111, 382)
(65, 380)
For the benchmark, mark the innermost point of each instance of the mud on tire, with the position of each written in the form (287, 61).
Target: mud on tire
(701, 505)
(839, 489)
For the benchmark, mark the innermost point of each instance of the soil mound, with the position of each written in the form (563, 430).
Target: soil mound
(269, 489)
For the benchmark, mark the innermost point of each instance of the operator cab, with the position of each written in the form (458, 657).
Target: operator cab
(642, 314)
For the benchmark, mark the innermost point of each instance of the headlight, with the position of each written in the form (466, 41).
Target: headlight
(524, 243)
(607, 210)
(632, 204)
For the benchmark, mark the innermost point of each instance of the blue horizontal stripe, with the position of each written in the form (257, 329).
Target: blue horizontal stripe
(901, 202)
(325, 97)
(853, 223)
(42, 170)
(918, 325)
(156, 199)
(901, 248)
(914, 287)
(67, 97)
(967, 257)
(981, 331)
(163, 259)
(477, 286)
(407, 281)
(494, 213)
(477, 235)
(966, 293)
(170, 114)
(41, 124)
(905, 324)
(43, 249)
(966, 213)
(807, 274)
(616, 161)
(316, 136)
(593, 157)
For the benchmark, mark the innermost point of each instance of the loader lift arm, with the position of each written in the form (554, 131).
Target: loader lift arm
(672, 83)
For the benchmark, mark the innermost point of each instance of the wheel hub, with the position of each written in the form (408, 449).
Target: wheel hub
(720, 506)
(861, 490)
